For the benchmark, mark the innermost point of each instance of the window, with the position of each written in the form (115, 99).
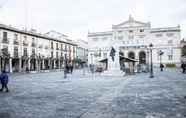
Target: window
(119, 32)
(25, 42)
(57, 46)
(95, 39)
(137, 41)
(4, 35)
(57, 55)
(52, 54)
(52, 45)
(170, 57)
(104, 55)
(65, 47)
(104, 38)
(15, 51)
(61, 47)
(33, 42)
(74, 49)
(170, 34)
(131, 37)
(170, 42)
(120, 37)
(16, 36)
(141, 36)
(141, 30)
(159, 35)
(130, 31)
(33, 52)
(25, 52)
(16, 39)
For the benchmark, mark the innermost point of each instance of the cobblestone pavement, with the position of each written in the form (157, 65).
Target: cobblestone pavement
(83, 95)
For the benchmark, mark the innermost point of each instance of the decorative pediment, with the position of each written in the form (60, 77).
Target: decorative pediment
(131, 23)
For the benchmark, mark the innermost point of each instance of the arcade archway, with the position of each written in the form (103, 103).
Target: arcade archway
(142, 57)
(131, 55)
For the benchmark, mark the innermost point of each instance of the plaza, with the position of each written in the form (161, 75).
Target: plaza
(87, 95)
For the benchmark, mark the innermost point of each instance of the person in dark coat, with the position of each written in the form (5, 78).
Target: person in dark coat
(4, 81)
(161, 67)
(71, 68)
(183, 66)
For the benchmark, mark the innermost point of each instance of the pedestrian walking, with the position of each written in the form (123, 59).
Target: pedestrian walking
(183, 66)
(161, 67)
(71, 68)
(4, 81)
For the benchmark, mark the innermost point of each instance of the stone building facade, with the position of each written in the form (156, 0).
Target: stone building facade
(134, 38)
(30, 51)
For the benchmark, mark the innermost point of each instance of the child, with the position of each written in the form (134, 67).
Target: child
(4, 81)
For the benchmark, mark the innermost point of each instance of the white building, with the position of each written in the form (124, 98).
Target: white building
(82, 50)
(28, 50)
(133, 38)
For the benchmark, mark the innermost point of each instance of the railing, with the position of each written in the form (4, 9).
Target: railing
(40, 46)
(16, 42)
(5, 41)
(46, 47)
(25, 44)
(33, 44)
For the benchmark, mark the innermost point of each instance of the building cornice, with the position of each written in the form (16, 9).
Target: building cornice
(108, 33)
(38, 35)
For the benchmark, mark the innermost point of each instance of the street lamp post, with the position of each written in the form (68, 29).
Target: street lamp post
(151, 65)
(91, 59)
(65, 64)
(160, 53)
(147, 60)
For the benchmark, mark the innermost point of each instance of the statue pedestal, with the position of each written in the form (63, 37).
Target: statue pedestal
(114, 66)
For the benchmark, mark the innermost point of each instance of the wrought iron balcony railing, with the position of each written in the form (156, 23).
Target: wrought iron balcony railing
(25, 44)
(33, 44)
(5, 41)
(16, 42)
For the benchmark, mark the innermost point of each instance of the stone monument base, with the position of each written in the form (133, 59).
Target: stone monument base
(113, 72)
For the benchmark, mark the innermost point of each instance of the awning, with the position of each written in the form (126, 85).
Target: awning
(127, 59)
(103, 60)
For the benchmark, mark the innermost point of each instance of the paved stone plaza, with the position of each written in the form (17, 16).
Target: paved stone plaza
(49, 95)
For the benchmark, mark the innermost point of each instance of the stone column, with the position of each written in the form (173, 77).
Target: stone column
(49, 64)
(43, 64)
(37, 67)
(10, 65)
(54, 64)
(20, 62)
(59, 64)
(29, 64)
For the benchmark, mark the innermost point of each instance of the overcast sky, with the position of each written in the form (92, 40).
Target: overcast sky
(76, 17)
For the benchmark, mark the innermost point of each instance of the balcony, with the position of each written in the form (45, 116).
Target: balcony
(16, 42)
(33, 44)
(5, 41)
(25, 44)
(46, 47)
(40, 46)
